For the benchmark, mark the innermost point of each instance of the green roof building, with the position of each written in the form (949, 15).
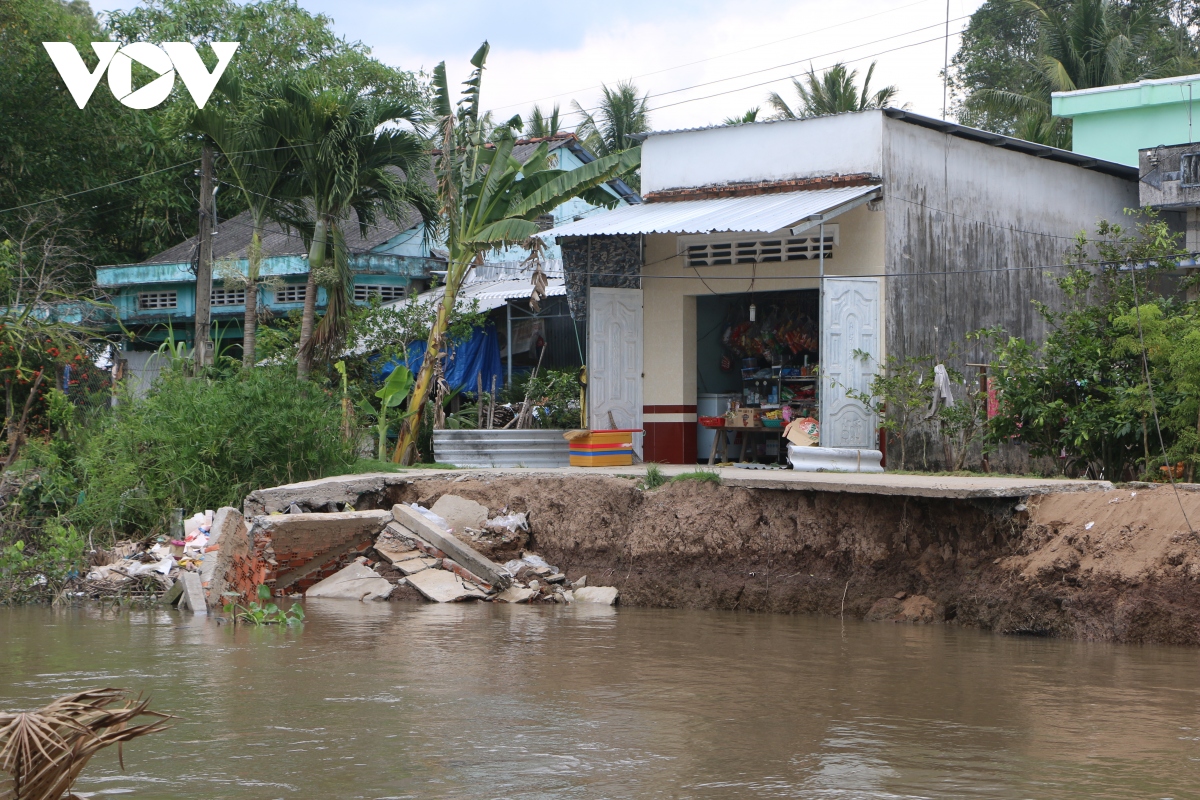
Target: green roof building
(1114, 122)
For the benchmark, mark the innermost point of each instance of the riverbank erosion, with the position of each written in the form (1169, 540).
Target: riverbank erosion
(1073, 560)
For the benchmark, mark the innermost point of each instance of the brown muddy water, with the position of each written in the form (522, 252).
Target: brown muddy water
(397, 700)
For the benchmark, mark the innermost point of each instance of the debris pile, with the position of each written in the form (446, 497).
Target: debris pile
(440, 554)
(149, 569)
(419, 548)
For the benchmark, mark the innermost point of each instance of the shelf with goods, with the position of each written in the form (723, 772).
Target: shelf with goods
(771, 388)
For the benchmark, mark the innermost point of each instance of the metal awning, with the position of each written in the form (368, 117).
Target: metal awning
(761, 213)
(493, 294)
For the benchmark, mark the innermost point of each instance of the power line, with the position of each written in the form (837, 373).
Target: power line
(98, 188)
(723, 55)
(767, 83)
(787, 64)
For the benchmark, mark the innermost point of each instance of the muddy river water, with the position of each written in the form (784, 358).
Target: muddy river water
(397, 700)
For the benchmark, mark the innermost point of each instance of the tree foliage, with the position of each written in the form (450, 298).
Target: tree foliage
(50, 148)
(1082, 397)
(1014, 53)
(836, 91)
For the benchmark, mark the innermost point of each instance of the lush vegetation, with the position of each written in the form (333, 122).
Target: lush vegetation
(1014, 53)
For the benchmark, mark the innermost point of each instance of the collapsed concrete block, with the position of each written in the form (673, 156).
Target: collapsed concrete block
(359, 491)
(172, 595)
(192, 598)
(604, 595)
(462, 553)
(460, 513)
(441, 586)
(412, 566)
(355, 582)
(305, 545)
(514, 594)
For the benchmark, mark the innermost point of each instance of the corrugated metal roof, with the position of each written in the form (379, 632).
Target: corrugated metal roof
(493, 294)
(763, 213)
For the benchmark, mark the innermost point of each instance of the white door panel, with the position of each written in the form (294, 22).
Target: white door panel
(615, 359)
(849, 323)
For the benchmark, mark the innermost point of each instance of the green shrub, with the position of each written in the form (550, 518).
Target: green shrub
(702, 475)
(197, 443)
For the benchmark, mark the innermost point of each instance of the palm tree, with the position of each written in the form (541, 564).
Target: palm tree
(490, 200)
(749, 116)
(258, 161)
(621, 115)
(346, 162)
(539, 126)
(1086, 45)
(835, 92)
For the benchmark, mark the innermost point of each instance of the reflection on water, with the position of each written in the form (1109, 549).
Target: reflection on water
(400, 700)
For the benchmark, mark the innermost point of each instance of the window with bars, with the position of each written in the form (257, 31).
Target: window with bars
(702, 253)
(364, 291)
(228, 297)
(292, 293)
(153, 300)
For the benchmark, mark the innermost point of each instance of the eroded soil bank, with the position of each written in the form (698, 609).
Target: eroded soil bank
(1036, 568)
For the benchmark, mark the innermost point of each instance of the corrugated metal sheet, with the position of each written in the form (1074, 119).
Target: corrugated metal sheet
(762, 213)
(493, 294)
(498, 448)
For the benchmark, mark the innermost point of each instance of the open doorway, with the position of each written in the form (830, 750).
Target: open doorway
(758, 351)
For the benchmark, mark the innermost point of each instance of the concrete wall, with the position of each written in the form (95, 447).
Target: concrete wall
(985, 216)
(845, 144)
(1114, 122)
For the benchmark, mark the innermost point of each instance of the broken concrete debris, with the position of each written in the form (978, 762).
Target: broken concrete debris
(355, 582)
(443, 586)
(341, 553)
(604, 595)
(460, 513)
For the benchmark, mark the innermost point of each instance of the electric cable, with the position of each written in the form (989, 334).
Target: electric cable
(1153, 408)
(723, 55)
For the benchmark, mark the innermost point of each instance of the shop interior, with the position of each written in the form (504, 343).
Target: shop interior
(757, 350)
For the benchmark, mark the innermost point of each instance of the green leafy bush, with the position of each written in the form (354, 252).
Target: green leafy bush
(196, 443)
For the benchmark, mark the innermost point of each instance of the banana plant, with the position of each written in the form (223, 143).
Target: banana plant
(489, 200)
(393, 392)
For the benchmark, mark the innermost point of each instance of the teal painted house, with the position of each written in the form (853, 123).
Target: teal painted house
(390, 261)
(1114, 122)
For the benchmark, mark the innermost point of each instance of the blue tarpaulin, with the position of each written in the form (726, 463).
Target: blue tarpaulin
(479, 355)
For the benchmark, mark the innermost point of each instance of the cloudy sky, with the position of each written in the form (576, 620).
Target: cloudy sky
(700, 60)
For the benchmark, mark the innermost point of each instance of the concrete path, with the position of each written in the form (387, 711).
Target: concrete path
(789, 480)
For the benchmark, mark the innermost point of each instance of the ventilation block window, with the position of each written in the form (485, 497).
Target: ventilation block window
(292, 293)
(153, 300)
(760, 251)
(365, 291)
(228, 297)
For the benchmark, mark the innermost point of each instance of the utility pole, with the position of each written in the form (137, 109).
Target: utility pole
(202, 354)
(946, 65)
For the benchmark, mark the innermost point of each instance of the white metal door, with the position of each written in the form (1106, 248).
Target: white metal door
(615, 360)
(849, 329)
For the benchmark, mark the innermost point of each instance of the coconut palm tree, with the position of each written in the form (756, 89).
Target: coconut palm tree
(258, 163)
(835, 92)
(350, 159)
(539, 126)
(1080, 46)
(749, 116)
(621, 115)
(490, 200)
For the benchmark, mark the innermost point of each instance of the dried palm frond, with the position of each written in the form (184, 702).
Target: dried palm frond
(42, 752)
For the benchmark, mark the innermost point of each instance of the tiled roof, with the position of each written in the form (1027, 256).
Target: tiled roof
(233, 238)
